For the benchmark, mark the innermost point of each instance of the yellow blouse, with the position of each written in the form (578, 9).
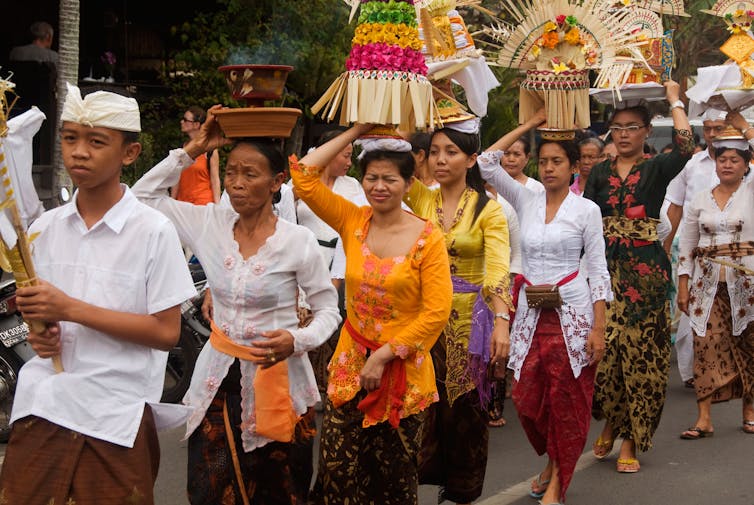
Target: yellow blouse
(479, 252)
(404, 301)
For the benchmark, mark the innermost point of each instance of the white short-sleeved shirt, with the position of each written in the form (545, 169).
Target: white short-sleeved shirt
(129, 261)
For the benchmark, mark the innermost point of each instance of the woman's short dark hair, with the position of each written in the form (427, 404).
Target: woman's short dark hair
(327, 137)
(469, 143)
(746, 155)
(526, 143)
(270, 149)
(200, 115)
(570, 147)
(404, 161)
(420, 141)
(639, 110)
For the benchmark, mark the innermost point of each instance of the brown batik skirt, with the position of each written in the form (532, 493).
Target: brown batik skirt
(275, 474)
(48, 464)
(366, 466)
(723, 362)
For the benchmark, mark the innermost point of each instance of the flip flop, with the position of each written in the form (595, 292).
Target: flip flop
(696, 433)
(541, 487)
(497, 423)
(748, 427)
(628, 465)
(602, 448)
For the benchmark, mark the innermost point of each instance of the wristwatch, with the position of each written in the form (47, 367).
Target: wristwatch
(678, 103)
(503, 315)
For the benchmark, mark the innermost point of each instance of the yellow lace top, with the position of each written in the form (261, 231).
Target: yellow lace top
(404, 301)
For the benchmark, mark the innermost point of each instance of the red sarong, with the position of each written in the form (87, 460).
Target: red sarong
(389, 396)
(554, 407)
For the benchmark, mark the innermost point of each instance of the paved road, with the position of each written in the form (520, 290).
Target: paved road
(719, 470)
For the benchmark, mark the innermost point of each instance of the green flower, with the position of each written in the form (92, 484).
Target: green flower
(572, 21)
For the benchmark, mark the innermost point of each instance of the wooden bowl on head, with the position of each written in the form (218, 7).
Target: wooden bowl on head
(273, 122)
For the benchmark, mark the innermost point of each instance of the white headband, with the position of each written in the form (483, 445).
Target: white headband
(713, 115)
(739, 144)
(101, 108)
(382, 144)
(468, 126)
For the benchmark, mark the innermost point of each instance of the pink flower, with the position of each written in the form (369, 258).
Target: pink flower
(229, 262)
(212, 383)
(343, 358)
(633, 178)
(249, 331)
(258, 269)
(399, 259)
(419, 360)
(225, 327)
(421, 243)
(386, 268)
(643, 269)
(401, 351)
(633, 294)
(613, 181)
(560, 19)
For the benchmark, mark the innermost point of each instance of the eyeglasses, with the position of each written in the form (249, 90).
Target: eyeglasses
(188, 120)
(716, 129)
(632, 128)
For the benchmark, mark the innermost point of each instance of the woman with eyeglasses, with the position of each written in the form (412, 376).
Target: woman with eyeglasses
(632, 378)
(591, 150)
(199, 183)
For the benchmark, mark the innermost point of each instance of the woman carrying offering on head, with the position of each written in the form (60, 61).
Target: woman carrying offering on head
(632, 379)
(716, 282)
(474, 343)
(398, 296)
(252, 431)
(557, 339)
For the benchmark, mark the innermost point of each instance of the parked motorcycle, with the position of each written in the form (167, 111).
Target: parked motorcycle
(195, 332)
(14, 349)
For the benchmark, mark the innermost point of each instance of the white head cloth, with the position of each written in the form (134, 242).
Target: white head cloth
(468, 126)
(739, 144)
(101, 108)
(382, 144)
(713, 115)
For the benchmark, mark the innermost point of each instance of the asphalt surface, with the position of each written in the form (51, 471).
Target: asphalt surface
(717, 470)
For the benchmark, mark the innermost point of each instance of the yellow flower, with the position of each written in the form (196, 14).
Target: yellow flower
(535, 50)
(573, 36)
(550, 27)
(626, 2)
(739, 13)
(559, 67)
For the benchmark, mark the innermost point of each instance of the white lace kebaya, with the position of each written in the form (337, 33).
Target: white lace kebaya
(249, 296)
(551, 251)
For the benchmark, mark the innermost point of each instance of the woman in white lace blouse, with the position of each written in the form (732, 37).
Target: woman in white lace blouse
(717, 256)
(554, 350)
(253, 387)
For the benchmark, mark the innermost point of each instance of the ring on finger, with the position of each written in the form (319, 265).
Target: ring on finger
(271, 355)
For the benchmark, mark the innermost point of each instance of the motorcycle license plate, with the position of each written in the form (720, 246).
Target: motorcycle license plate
(13, 330)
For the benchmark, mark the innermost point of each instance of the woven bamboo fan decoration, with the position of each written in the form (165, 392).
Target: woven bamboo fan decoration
(15, 251)
(385, 81)
(556, 43)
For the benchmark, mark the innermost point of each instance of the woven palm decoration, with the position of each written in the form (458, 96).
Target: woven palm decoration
(556, 43)
(15, 252)
(739, 16)
(385, 79)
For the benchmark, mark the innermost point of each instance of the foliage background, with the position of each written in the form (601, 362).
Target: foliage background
(314, 36)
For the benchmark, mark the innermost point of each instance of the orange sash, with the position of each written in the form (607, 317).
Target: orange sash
(273, 408)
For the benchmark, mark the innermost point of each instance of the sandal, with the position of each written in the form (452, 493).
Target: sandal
(538, 487)
(602, 448)
(628, 465)
(748, 427)
(696, 433)
(497, 423)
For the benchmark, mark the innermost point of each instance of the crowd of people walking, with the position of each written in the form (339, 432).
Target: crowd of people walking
(453, 266)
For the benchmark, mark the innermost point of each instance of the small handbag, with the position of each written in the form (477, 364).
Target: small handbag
(543, 296)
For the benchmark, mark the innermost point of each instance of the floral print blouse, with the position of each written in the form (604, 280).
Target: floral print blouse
(403, 301)
(250, 295)
(706, 225)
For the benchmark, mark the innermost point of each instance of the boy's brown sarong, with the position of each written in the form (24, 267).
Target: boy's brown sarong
(46, 463)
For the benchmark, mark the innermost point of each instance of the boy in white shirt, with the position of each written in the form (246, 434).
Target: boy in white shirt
(112, 278)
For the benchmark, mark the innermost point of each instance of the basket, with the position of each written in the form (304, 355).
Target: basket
(565, 96)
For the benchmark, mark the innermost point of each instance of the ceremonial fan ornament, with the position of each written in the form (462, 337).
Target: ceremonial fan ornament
(556, 43)
(385, 79)
(15, 251)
